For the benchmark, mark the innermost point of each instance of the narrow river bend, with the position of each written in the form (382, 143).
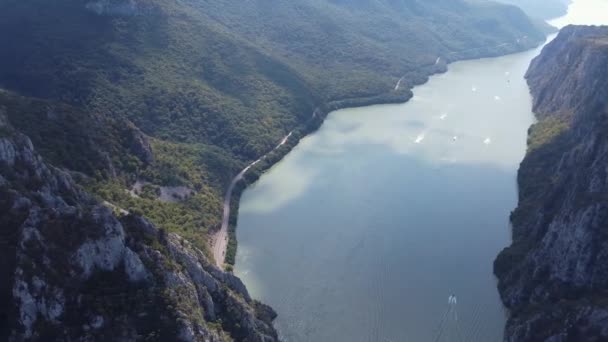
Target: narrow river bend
(368, 226)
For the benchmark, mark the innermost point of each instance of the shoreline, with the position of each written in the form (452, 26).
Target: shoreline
(220, 239)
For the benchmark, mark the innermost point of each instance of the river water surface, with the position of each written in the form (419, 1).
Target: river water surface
(369, 225)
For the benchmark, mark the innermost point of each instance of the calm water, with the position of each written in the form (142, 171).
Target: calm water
(369, 225)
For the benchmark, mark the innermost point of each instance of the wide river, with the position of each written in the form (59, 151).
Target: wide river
(369, 225)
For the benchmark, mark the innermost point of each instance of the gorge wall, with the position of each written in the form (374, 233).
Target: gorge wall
(554, 276)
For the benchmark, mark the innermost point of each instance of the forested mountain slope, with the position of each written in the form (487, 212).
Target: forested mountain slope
(237, 74)
(214, 84)
(554, 276)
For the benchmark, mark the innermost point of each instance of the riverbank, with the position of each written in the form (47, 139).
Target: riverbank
(220, 239)
(370, 227)
(224, 243)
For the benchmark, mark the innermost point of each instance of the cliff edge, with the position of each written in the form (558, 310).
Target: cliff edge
(554, 276)
(73, 269)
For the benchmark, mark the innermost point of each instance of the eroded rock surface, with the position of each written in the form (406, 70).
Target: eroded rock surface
(554, 276)
(71, 269)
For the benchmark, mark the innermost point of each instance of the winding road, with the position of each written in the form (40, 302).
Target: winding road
(219, 240)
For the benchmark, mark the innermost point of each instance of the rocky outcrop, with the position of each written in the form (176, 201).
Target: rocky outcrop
(554, 276)
(568, 76)
(71, 269)
(140, 145)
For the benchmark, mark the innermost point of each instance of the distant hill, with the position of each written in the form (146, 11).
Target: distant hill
(543, 9)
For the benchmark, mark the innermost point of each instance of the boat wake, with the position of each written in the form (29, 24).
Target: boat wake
(419, 138)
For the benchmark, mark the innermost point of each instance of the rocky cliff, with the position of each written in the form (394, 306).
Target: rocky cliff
(74, 270)
(554, 276)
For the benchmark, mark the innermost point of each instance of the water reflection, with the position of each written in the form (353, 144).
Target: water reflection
(364, 231)
(444, 124)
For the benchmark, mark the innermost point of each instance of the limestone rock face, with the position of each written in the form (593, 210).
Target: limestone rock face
(569, 74)
(554, 276)
(71, 269)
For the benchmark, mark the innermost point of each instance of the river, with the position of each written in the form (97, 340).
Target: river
(369, 225)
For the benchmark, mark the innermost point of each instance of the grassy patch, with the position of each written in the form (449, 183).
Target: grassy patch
(545, 131)
(191, 218)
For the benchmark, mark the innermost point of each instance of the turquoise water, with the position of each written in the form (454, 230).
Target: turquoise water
(368, 226)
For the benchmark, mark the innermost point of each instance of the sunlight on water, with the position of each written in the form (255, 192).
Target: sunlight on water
(585, 12)
(421, 128)
(383, 225)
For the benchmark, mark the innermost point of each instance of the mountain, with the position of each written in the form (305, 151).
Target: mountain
(543, 9)
(554, 276)
(208, 86)
(124, 121)
(238, 75)
(74, 270)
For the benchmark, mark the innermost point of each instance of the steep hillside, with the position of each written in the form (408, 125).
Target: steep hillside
(80, 141)
(346, 48)
(214, 84)
(554, 276)
(238, 74)
(73, 270)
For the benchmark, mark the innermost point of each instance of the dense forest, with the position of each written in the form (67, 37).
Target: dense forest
(185, 93)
